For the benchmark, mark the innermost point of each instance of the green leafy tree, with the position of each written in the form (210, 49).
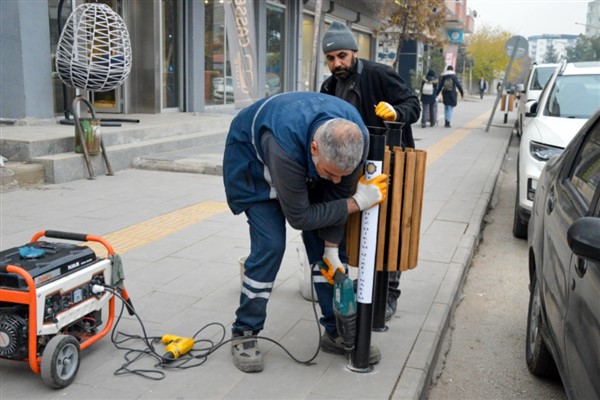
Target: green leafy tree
(418, 20)
(585, 49)
(437, 61)
(550, 56)
(486, 49)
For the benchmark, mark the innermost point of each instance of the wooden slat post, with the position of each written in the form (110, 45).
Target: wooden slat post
(417, 209)
(407, 208)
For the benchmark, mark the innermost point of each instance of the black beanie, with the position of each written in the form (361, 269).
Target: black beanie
(339, 37)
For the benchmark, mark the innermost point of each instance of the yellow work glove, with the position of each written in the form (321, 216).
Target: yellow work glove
(371, 192)
(331, 258)
(385, 111)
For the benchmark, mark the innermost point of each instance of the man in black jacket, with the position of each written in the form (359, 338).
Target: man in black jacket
(378, 93)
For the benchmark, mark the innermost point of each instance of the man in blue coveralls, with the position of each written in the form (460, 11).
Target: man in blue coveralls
(294, 157)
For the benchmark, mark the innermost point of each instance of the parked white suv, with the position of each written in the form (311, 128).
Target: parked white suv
(567, 101)
(539, 74)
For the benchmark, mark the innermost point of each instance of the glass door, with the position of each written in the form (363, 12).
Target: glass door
(170, 55)
(112, 100)
(218, 83)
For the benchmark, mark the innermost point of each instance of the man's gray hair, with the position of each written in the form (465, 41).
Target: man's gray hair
(341, 142)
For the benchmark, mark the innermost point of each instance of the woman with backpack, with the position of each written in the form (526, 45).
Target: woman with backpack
(447, 86)
(429, 99)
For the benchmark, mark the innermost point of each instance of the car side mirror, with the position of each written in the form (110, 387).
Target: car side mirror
(531, 108)
(583, 237)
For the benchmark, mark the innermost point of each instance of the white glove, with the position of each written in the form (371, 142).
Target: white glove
(331, 257)
(372, 192)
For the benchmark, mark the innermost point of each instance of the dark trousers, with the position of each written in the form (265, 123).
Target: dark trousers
(267, 245)
(429, 114)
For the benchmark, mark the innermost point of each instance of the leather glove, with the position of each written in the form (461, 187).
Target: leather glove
(331, 257)
(372, 192)
(385, 111)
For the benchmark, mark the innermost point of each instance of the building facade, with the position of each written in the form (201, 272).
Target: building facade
(414, 55)
(181, 60)
(592, 21)
(539, 44)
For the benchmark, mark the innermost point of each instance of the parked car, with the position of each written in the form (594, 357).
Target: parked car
(539, 74)
(569, 98)
(563, 322)
(221, 90)
(272, 86)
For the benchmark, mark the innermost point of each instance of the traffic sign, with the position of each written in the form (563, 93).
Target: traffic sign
(517, 44)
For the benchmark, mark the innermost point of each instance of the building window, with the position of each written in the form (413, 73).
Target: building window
(274, 73)
(218, 85)
(308, 34)
(170, 57)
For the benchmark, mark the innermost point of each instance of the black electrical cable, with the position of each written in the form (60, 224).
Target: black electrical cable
(132, 355)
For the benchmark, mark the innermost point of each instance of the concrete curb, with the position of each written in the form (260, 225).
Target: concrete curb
(418, 372)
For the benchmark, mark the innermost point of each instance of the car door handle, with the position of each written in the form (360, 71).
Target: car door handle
(550, 205)
(580, 267)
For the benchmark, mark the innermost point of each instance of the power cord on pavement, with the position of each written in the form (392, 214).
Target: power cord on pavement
(194, 358)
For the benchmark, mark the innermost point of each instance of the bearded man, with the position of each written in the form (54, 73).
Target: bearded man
(378, 93)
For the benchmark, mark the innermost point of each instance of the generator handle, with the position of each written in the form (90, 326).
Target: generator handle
(81, 237)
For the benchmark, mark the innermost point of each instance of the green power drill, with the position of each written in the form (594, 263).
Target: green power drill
(344, 307)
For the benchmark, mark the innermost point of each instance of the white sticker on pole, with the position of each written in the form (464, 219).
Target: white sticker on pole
(368, 242)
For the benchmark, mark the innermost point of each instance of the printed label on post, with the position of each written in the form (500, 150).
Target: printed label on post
(368, 242)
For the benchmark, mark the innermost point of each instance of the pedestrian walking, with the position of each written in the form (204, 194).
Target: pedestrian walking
(429, 99)
(482, 87)
(448, 85)
(294, 157)
(379, 94)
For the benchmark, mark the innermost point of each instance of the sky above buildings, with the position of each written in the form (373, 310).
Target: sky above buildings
(531, 17)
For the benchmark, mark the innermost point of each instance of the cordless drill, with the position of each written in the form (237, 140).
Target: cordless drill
(176, 346)
(344, 307)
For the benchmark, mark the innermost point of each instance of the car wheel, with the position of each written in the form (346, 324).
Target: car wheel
(539, 360)
(519, 227)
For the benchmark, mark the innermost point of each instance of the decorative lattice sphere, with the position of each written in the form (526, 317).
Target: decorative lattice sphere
(94, 50)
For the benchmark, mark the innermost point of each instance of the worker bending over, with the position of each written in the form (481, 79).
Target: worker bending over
(294, 157)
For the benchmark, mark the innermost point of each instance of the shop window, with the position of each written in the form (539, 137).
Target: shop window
(218, 86)
(170, 57)
(308, 34)
(275, 50)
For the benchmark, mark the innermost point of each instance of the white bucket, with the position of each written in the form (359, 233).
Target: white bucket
(241, 261)
(304, 274)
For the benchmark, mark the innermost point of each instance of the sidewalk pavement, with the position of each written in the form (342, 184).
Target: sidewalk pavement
(180, 246)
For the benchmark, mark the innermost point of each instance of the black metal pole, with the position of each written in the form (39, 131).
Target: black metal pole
(359, 359)
(382, 278)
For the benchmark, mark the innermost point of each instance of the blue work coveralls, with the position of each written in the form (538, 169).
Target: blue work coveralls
(288, 121)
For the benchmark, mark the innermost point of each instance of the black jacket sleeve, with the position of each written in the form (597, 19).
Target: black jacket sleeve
(400, 96)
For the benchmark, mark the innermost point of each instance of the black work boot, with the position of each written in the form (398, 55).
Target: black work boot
(447, 124)
(390, 307)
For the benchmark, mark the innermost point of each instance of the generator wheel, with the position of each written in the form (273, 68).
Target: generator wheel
(60, 361)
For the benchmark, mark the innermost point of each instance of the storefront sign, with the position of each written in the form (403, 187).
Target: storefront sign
(456, 35)
(241, 32)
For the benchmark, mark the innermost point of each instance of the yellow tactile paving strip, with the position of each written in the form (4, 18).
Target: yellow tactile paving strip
(157, 228)
(437, 150)
(164, 225)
